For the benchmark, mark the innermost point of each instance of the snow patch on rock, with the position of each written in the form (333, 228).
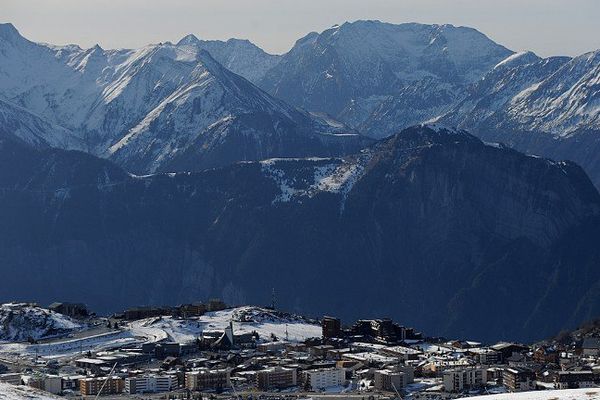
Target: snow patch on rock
(314, 176)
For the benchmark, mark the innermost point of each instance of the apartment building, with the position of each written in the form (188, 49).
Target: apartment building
(486, 356)
(150, 384)
(205, 379)
(318, 379)
(48, 383)
(276, 378)
(12, 378)
(332, 327)
(460, 379)
(518, 379)
(387, 380)
(109, 385)
(574, 379)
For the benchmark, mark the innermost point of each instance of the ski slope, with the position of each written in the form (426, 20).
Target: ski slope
(245, 320)
(567, 394)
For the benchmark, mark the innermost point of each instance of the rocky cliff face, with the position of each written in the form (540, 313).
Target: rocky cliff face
(430, 226)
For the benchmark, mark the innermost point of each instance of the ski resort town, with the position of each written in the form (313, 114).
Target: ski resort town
(209, 350)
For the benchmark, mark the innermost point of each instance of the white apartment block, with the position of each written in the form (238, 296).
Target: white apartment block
(461, 379)
(150, 384)
(318, 379)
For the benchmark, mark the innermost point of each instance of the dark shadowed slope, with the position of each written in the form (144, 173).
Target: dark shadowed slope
(430, 226)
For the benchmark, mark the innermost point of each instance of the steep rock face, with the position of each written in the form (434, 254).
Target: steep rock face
(430, 226)
(349, 70)
(145, 107)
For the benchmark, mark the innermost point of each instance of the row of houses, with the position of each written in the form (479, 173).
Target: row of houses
(183, 310)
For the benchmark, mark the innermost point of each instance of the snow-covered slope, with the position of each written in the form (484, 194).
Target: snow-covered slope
(568, 394)
(566, 101)
(22, 392)
(19, 321)
(23, 124)
(245, 319)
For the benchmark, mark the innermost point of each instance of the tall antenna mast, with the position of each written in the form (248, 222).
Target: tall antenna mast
(273, 299)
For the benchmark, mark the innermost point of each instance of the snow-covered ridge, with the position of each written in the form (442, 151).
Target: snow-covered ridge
(441, 128)
(520, 58)
(22, 321)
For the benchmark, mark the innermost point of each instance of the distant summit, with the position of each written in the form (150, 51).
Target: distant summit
(365, 70)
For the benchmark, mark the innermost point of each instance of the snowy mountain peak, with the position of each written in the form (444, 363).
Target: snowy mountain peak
(363, 72)
(8, 30)
(244, 42)
(9, 33)
(187, 40)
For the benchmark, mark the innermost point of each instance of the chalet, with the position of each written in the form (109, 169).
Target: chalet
(506, 350)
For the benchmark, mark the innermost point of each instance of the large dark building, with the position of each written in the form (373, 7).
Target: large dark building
(332, 327)
(518, 379)
(383, 330)
(74, 310)
(507, 350)
(146, 312)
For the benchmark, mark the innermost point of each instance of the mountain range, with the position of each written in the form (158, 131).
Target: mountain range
(182, 106)
(152, 108)
(194, 169)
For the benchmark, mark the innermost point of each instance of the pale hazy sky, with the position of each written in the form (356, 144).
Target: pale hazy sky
(548, 27)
